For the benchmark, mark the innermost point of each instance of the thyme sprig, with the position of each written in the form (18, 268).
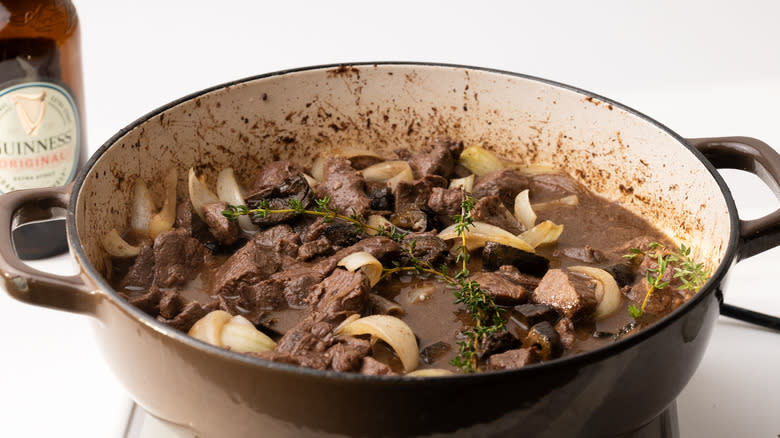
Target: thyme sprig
(691, 274)
(482, 307)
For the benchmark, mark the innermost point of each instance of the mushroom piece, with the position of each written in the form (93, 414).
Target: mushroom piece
(293, 187)
(495, 255)
(545, 340)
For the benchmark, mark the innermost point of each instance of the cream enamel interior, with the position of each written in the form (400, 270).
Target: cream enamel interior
(383, 107)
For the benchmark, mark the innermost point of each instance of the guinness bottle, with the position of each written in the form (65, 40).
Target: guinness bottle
(41, 113)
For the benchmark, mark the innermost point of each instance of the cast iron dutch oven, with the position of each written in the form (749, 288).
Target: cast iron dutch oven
(298, 114)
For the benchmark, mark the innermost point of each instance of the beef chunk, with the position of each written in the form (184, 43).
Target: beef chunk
(292, 188)
(445, 203)
(348, 354)
(495, 255)
(281, 239)
(298, 279)
(381, 196)
(427, 248)
(149, 301)
(171, 304)
(511, 359)
(529, 282)
(659, 303)
(503, 291)
(415, 194)
(189, 315)
(341, 233)
(342, 294)
(372, 367)
(177, 258)
(248, 266)
(505, 184)
(585, 254)
(312, 249)
(411, 199)
(273, 174)
(553, 186)
(330, 302)
(237, 305)
(184, 216)
(438, 159)
(344, 186)
(309, 360)
(491, 210)
(571, 294)
(141, 273)
(223, 229)
(565, 329)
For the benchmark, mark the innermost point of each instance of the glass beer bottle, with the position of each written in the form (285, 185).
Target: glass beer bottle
(41, 113)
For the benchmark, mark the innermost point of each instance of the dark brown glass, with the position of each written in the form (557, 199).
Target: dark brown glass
(40, 41)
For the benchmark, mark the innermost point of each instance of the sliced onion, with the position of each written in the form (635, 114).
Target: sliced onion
(240, 335)
(318, 168)
(390, 172)
(237, 333)
(209, 328)
(365, 261)
(571, 200)
(607, 291)
(393, 331)
(481, 232)
(143, 208)
(116, 246)
(310, 180)
(383, 306)
(480, 161)
(164, 219)
(375, 221)
(229, 191)
(523, 211)
(430, 372)
(542, 234)
(199, 193)
(466, 183)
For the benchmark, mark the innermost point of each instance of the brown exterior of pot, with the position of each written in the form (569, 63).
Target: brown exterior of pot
(298, 114)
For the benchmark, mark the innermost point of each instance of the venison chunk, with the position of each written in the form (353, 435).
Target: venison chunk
(223, 229)
(511, 359)
(571, 294)
(491, 210)
(505, 184)
(177, 258)
(503, 291)
(344, 186)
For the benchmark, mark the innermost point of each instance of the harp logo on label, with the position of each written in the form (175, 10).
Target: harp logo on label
(39, 140)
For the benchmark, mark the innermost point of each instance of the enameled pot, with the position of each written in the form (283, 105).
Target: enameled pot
(298, 114)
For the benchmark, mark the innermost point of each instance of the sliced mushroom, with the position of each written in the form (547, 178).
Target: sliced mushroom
(545, 340)
(495, 255)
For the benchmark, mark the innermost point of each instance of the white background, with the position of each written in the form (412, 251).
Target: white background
(703, 68)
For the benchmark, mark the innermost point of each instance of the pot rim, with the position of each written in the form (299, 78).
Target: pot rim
(575, 360)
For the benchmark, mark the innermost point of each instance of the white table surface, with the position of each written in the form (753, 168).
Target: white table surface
(703, 68)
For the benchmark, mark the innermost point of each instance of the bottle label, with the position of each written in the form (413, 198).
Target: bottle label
(39, 136)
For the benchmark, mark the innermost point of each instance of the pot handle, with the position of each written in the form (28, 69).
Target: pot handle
(758, 235)
(20, 281)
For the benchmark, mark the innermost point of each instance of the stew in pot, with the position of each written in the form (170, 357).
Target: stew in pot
(441, 261)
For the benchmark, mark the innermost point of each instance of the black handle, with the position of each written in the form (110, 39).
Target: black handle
(758, 235)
